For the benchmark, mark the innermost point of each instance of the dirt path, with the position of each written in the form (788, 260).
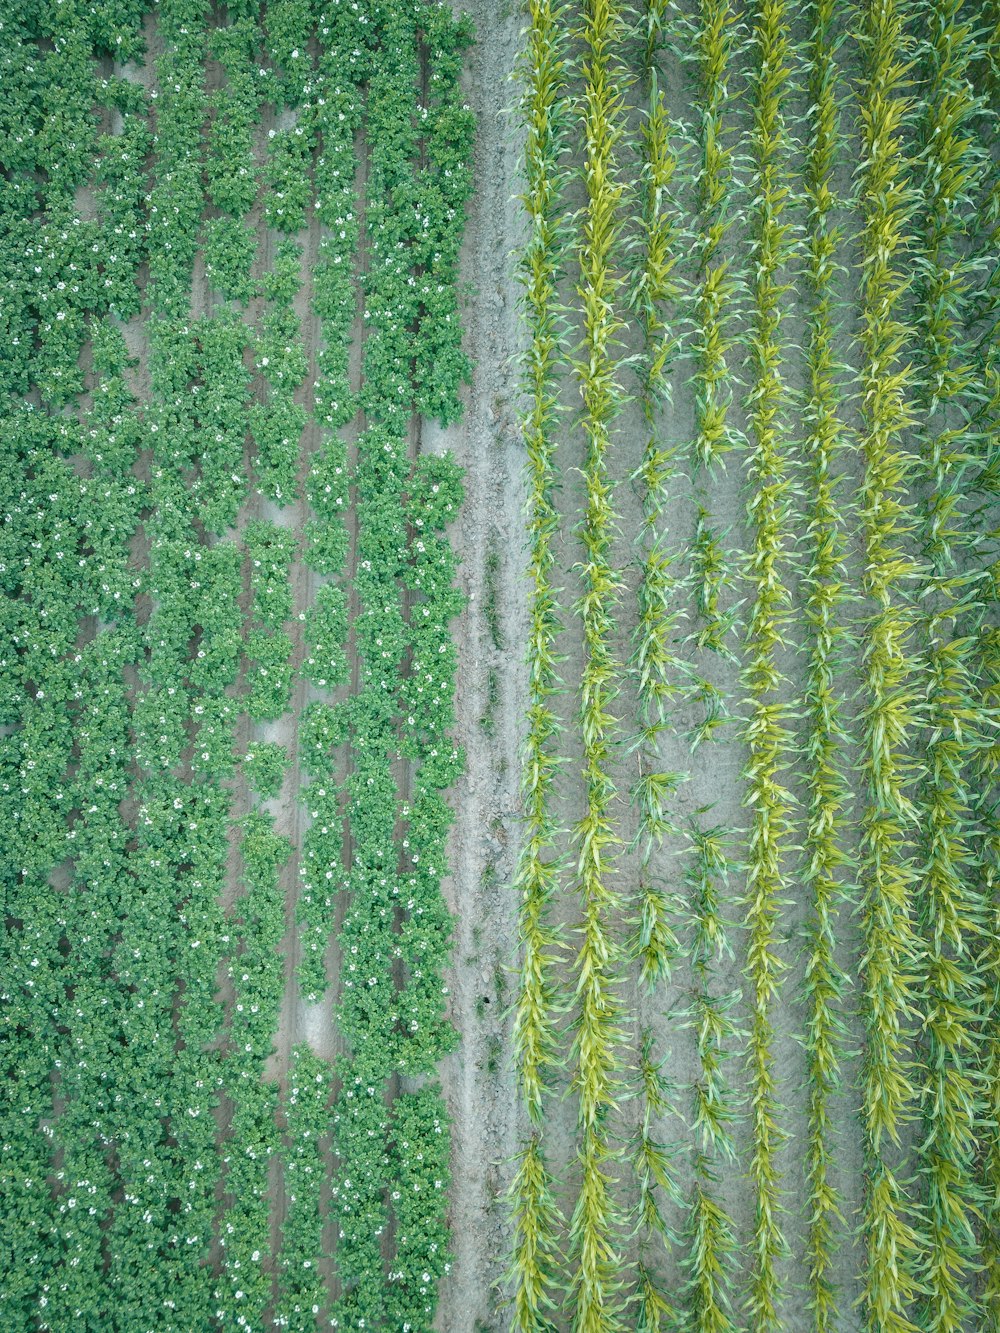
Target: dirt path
(492, 686)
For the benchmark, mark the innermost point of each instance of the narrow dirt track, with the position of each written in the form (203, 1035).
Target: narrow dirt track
(492, 685)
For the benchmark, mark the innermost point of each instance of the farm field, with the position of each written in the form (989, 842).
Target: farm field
(500, 666)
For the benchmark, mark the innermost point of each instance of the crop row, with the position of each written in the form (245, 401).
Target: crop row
(828, 862)
(544, 108)
(988, 680)
(394, 935)
(656, 664)
(596, 1058)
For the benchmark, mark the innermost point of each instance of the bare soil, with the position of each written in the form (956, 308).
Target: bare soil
(490, 704)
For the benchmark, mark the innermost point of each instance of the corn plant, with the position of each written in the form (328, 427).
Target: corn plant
(952, 905)
(538, 1221)
(655, 1310)
(711, 574)
(987, 768)
(595, 1294)
(543, 109)
(713, 42)
(767, 734)
(655, 665)
(886, 864)
(712, 1246)
(827, 860)
(706, 40)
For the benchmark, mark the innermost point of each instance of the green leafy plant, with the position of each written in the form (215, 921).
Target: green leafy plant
(264, 764)
(711, 1236)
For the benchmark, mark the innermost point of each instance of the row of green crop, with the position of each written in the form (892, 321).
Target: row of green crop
(596, 1054)
(715, 289)
(951, 906)
(195, 418)
(257, 917)
(393, 1154)
(768, 733)
(656, 664)
(71, 643)
(368, 940)
(986, 419)
(869, 802)
(544, 109)
(886, 874)
(828, 864)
